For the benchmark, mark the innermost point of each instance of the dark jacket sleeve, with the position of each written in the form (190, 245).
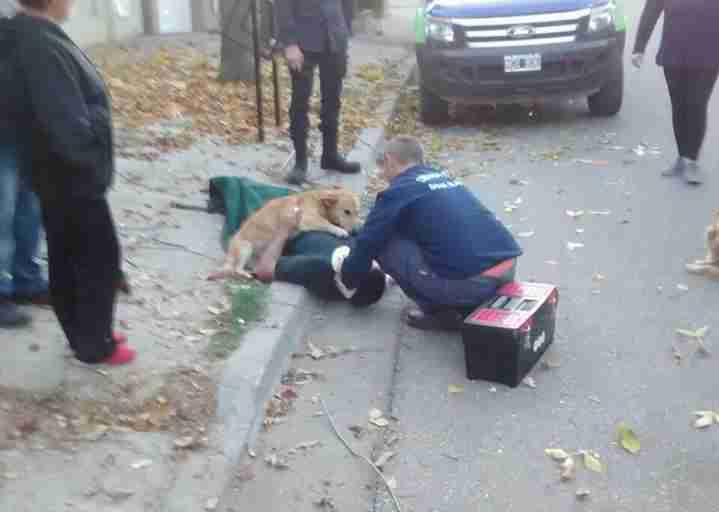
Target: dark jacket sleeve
(286, 25)
(76, 133)
(381, 224)
(652, 10)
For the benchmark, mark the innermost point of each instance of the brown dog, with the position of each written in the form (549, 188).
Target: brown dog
(335, 211)
(709, 266)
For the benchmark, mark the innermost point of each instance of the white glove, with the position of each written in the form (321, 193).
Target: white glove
(338, 257)
(638, 60)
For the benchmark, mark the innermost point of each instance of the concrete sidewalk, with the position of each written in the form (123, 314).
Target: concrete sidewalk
(165, 432)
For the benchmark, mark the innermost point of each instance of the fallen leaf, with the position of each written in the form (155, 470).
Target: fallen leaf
(583, 494)
(574, 245)
(696, 334)
(380, 422)
(375, 414)
(529, 382)
(592, 462)
(628, 439)
(276, 462)
(315, 353)
(215, 311)
(140, 464)
(326, 503)
(705, 419)
(556, 454)
(307, 445)
(575, 213)
(568, 469)
(456, 388)
(357, 431)
(383, 459)
(185, 443)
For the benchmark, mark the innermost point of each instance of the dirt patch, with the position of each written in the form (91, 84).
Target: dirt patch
(183, 406)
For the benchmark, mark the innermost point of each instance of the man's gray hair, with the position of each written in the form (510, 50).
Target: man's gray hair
(405, 149)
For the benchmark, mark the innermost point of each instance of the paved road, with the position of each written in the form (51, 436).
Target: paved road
(483, 449)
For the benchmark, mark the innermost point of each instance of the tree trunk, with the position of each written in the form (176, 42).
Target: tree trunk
(237, 55)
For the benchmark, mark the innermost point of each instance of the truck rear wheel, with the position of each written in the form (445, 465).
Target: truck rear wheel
(608, 101)
(433, 109)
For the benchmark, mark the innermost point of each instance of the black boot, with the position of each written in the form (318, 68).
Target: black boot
(331, 159)
(298, 175)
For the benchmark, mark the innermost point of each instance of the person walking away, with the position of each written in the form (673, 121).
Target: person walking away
(21, 278)
(691, 65)
(68, 128)
(315, 34)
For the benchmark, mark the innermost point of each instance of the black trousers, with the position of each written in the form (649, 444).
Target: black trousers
(333, 68)
(690, 90)
(84, 263)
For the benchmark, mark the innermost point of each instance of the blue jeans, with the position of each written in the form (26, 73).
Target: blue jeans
(404, 261)
(20, 227)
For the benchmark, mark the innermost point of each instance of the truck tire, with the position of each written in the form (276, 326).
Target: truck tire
(608, 101)
(433, 109)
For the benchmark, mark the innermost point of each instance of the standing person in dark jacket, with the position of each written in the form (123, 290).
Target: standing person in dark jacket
(21, 279)
(441, 245)
(690, 59)
(69, 158)
(315, 33)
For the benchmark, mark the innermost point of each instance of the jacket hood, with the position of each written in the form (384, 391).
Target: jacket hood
(500, 8)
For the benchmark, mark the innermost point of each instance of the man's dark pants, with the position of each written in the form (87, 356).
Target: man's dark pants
(84, 262)
(333, 68)
(404, 261)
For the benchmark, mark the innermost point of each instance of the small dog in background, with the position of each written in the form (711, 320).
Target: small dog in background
(709, 266)
(335, 211)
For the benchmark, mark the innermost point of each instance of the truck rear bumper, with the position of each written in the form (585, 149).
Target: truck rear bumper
(478, 75)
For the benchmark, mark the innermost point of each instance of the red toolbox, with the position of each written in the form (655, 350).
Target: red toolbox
(505, 337)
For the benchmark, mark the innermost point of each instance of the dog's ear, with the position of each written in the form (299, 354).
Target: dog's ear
(329, 199)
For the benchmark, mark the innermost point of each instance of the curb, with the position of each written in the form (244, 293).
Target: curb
(250, 374)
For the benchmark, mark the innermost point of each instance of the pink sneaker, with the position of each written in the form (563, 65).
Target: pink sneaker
(119, 337)
(122, 355)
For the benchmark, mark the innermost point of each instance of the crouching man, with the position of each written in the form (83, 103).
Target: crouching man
(441, 245)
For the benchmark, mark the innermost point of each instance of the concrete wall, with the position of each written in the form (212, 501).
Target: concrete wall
(100, 21)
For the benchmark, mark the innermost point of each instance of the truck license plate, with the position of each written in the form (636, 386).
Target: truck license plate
(522, 63)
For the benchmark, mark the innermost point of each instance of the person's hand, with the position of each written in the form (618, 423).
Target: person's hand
(638, 60)
(295, 57)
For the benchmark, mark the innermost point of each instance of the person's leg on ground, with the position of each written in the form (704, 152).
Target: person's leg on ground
(10, 315)
(333, 68)
(302, 83)
(700, 85)
(29, 283)
(676, 79)
(97, 265)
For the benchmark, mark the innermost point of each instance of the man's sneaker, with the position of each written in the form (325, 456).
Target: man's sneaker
(677, 169)
(122, 355)
(11, 316)
(693, 174)
(441, 321)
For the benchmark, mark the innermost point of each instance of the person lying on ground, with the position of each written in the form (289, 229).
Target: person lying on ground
(306, 258)
(442, 246)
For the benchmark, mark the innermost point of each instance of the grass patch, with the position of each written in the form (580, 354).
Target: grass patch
(248, 303)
